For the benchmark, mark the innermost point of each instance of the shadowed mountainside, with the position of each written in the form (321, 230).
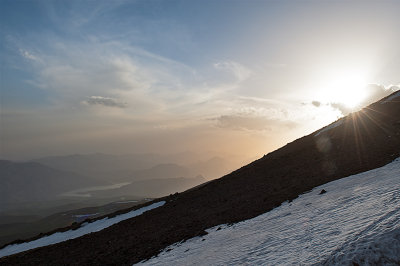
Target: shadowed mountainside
(359, 142)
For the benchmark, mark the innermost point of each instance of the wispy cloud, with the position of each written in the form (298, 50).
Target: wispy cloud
(71, 71)
(148, 84)
(251, 123)
(345, 110)
(105, 101)
(263, 116)
(240, 72)
(240, 122)
(28, 55)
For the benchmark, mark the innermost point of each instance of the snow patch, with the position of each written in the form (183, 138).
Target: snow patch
(86, 228)
(85, 215)
(381, 249)
(333, 125)
(389, 99)
(356, 220)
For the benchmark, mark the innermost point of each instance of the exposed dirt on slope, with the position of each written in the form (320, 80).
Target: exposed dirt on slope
(364, 140)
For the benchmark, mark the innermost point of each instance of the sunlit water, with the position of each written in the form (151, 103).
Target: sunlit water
(84, 192)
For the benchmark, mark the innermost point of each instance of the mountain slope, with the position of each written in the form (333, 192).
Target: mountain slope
(361, 141)
(357, 220)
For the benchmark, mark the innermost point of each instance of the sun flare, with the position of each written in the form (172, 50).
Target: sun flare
(347, 88)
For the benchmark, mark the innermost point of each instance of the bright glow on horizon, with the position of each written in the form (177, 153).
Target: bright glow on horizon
(346, 87)
(350, 89)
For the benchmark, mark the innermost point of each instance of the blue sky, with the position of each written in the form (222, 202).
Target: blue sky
(167, 76)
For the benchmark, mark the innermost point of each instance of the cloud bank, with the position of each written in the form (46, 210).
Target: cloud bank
(251, 123)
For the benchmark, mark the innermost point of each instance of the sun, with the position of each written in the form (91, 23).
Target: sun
(349, 89)
(345, 87)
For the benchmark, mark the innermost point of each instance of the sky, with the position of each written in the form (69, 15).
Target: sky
(219, 77)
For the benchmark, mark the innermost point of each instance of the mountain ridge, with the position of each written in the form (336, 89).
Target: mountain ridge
(128, 167)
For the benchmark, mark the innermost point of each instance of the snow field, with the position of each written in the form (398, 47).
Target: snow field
(357, 220)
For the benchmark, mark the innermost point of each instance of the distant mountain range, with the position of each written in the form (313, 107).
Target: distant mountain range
(31, 181)
(114, 168)
(45, 180)
(26, 182)
(102, 166)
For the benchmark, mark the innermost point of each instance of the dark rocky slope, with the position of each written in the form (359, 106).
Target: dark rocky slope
(362, 141)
